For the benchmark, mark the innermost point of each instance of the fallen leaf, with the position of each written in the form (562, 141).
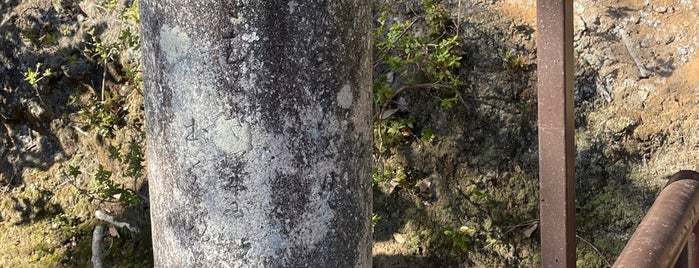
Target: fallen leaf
(389, 77)
(467, 230)
(113, 232)
(399, 238)
(388, 113)
(394, 183)
(402, 104)
(528, 232)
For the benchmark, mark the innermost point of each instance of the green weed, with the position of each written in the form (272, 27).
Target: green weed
(515, 62)
(33, 76)
(375, 218)
(102, 116)
(412, 59)
(432, 60)
(461, 237)
(133, 158)
(104, 187)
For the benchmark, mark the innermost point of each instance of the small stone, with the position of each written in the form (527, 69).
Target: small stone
(661, 9)
(669, 39)
(35, 109)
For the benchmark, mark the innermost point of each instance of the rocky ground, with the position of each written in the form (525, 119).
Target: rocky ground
(469, 197)
(634, 127)
(71, 141)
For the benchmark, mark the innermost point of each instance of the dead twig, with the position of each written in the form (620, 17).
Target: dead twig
(595, 249)
(97, 236)
(458, 19)
(626, 38)
(416, 86)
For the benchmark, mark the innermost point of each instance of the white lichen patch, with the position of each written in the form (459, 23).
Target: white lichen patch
(174, 43)
(237, 20)
(292, 6)
(318, 215)
(344, 97)
(251, 37)
(231, 136)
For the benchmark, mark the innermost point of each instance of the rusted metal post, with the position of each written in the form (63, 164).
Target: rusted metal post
(683, 259)
(556, 132)
(688, 257)
(664, 231)
(693, 247)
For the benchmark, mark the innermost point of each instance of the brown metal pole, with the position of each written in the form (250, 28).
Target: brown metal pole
(556, 132)
(663, 233)
(693, 248)
(683, 259)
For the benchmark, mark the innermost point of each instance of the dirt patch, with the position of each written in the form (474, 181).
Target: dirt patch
(70, 118)
(521, 11)
(635, 95)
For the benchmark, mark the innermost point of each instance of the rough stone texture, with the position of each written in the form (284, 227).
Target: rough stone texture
(258, 128)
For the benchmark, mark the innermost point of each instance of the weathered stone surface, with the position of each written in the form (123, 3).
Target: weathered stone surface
(258, 127)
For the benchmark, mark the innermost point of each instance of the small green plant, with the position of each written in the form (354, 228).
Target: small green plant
(73, 171)
(66, 223)
(107, 114)
(435, 58)
(102, 51)
(461, 237)
(48, 39)
(105, 188)
(33, 76)
(129, 38)
(132, 14)
(133, 159)
(377, 176)
(375, 218)
(422, 61)
(105, 53)
(102, 116)
(515, 62)
(448, 102)
(398, 176)
(392, 132)
(111, 4)
(481, 197)
(427, 135)
(436, 16)
(102, 187)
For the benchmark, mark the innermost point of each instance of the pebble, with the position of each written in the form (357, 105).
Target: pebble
(661, 9)
(670, 39)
